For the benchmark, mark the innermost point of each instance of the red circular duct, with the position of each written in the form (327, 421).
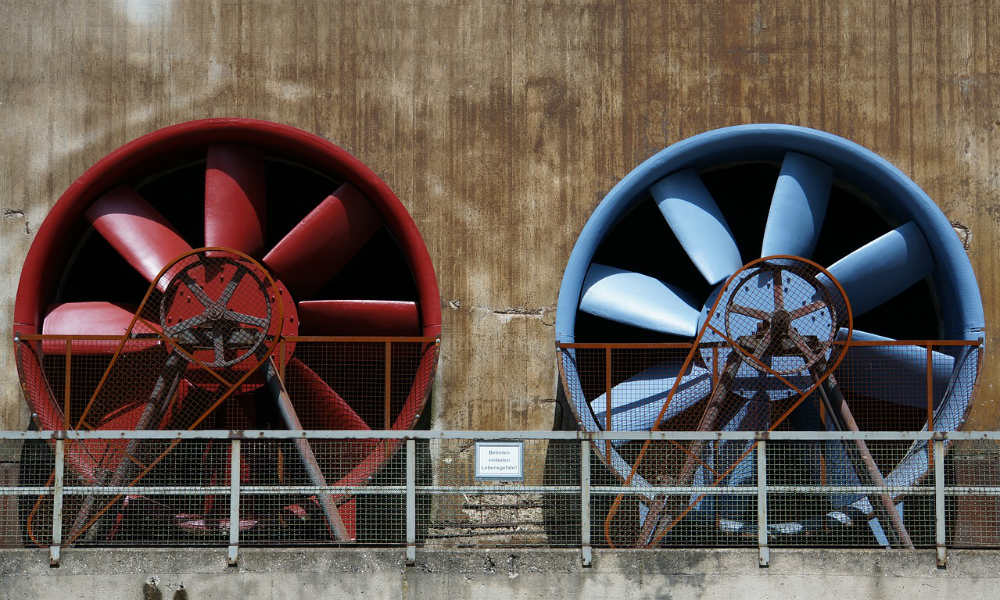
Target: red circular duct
(135, 209)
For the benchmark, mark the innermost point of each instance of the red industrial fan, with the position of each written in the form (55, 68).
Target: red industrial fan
(301, 239)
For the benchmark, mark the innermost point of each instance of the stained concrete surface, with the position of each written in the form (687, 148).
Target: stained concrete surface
(500, 125)
(528, 574)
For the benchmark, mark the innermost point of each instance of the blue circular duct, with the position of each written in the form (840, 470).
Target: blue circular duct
(918, 245)
(960, 305)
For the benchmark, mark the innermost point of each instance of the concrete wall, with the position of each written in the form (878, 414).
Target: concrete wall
(515, 574)
(501, 124)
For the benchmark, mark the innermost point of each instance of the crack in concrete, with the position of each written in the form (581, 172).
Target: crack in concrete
(964, 234)
(545, 313)
(13, 214)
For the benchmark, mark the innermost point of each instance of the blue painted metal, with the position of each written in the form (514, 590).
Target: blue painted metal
(698, 224)
(638, 300)
(899, 368)
(798, 206)
(924, 245)
(897, 196)
(637, 401)
(884, 267)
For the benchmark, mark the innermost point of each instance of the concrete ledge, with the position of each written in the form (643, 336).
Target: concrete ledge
(198, 574)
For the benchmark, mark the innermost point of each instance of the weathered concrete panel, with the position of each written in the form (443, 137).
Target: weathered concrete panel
(680, 574)
(501, 124)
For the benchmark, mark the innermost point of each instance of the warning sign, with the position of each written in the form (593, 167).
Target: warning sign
(500, 461)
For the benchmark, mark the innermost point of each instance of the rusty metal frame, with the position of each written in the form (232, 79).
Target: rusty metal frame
(279, 346)
(696, 345)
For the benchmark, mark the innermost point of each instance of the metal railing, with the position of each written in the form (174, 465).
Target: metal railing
(433, 497)
(906, 379)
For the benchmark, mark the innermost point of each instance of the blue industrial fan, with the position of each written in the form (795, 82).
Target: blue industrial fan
(909, 278)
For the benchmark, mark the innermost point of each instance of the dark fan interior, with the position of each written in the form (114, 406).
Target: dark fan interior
(96, 272)
(643, 242)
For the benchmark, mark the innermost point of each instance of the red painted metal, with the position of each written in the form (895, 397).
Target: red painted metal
(235, 204)
(359, 317)
(235, 194)
(324, 241)
(136, 230)
(58, 233)
(99, 318)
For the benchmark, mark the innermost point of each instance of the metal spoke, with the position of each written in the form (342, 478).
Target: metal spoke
(805, 310)
(220, 348)
(227, 293)
(245, 319)
(801, 345)
(198, 292)
(187, 324)
(749, 312)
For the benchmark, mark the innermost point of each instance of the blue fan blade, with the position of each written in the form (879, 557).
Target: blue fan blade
(798, 206)
(900, 370)
(636, 402)
(698, 224)
(638, 300)
(883, 268)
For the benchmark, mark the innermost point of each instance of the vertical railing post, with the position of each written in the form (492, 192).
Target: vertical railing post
(764, 557)
(66, 383)
(411, 501)
(388, 385)
(585, 550)
(930, 396)
(939, 512)
(234, 502)
(57, 503)
(607, 400)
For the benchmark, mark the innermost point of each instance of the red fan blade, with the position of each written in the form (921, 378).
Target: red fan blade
(324, 241)
(92, 318)
(137, 231)
(235, 192)
(318, 406)
(358, 317)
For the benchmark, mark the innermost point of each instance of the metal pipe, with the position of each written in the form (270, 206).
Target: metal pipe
(234, 502)
(763, 551)
(462, 434)
(411, 502)
(939, 507)
(57, 504)
(585, 549)
(337, 528)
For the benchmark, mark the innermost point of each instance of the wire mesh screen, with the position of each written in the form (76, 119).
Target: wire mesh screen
(878, 490)
(682, 493)
(973, 515)
(371, 384)
(11, 469)
(833, 493)
(484, 513)
(285, 507)
(880, 385)
(318, 383)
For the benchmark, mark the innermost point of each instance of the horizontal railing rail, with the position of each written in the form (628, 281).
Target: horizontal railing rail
(446, 492)
(260, 434)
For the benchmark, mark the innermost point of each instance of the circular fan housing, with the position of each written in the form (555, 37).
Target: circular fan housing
(655, 251)
(655, 254)
(346, 254)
